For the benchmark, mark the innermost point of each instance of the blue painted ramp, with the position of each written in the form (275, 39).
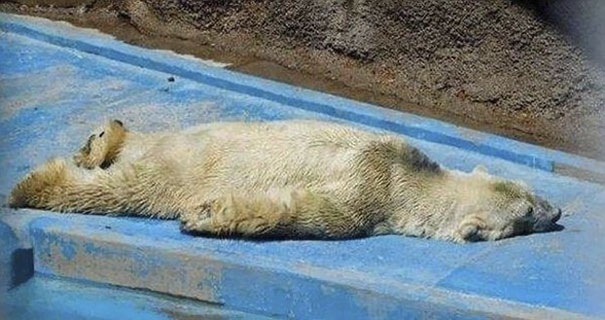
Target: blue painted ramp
(57, 82)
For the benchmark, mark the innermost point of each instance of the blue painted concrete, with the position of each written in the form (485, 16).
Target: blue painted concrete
(299, 278)
(58, 82)
(8, 245)
(53, 298)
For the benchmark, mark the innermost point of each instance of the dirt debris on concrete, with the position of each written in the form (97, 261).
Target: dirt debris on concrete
(501, 66)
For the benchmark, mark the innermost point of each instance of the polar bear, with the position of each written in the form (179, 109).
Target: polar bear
(285, 179)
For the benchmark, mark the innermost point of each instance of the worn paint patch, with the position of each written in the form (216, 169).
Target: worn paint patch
(123, 260)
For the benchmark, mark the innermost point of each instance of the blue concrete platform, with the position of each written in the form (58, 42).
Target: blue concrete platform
(57, 82)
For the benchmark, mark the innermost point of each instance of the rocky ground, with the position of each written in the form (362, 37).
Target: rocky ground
(528, 70)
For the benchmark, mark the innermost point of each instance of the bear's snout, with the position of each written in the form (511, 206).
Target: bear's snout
(557, 215)
(546, 220)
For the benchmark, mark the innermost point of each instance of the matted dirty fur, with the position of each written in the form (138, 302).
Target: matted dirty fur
(285, 179)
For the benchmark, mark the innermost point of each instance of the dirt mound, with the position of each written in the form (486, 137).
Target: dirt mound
(496, 65)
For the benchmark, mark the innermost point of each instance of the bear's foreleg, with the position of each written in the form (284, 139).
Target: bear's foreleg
(45, 187)
(59, 185)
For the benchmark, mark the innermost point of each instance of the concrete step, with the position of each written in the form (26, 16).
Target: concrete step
(54, 298)
(382, 277)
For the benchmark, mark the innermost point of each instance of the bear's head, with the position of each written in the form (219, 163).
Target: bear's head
(102, 147)
(494, 208)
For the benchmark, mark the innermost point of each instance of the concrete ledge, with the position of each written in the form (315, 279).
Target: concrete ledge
(275, 278)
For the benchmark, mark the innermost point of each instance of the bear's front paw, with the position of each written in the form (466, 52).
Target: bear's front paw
(39, 186)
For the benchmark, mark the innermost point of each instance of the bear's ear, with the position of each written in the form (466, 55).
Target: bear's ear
(480, 169)
(117, 125)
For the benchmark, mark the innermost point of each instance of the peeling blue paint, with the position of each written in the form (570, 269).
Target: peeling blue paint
(67, 249)
(309, 278)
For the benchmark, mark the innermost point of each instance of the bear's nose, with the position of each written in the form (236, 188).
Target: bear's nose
(557, 215)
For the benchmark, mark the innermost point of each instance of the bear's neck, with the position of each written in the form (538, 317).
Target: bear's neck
(424, 204)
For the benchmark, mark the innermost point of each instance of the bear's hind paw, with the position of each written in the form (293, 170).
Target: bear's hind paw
(199, 221)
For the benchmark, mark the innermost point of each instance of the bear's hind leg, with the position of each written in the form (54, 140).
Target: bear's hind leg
(245, 215)
(282, 213)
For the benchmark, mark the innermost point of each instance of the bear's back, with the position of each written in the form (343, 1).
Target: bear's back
(263, 155)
